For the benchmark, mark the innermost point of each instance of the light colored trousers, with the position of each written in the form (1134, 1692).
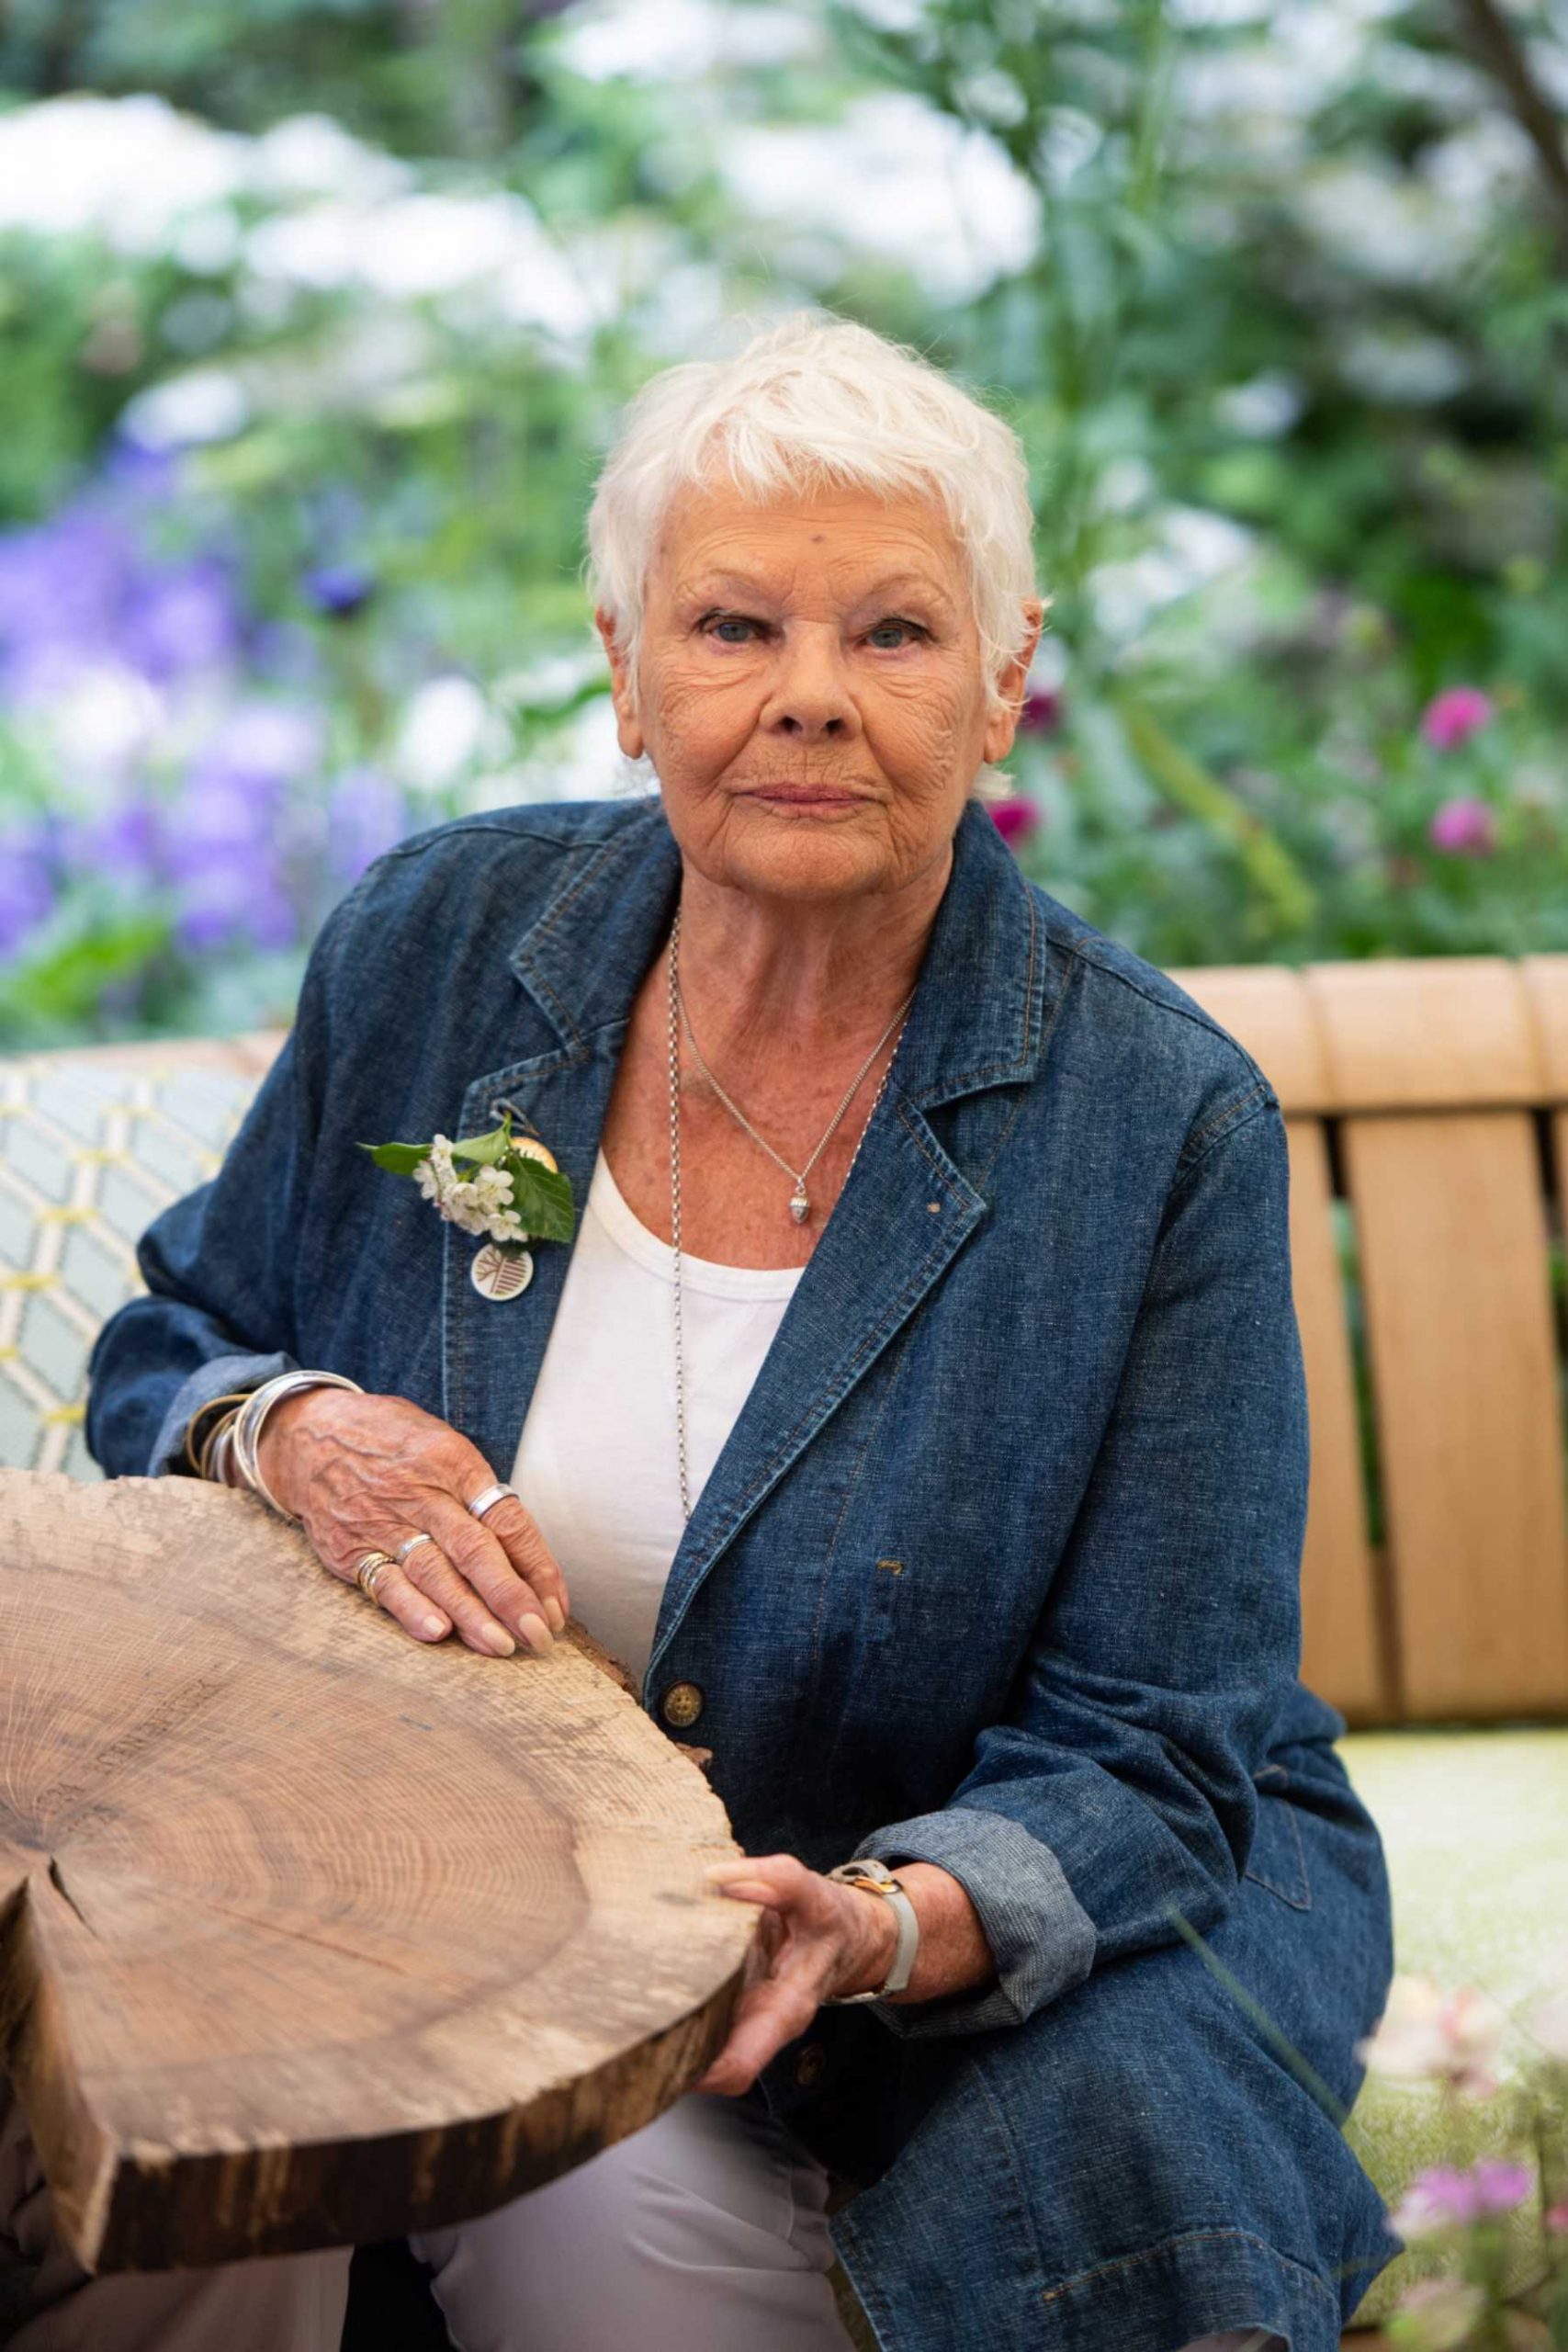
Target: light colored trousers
(706, 2231)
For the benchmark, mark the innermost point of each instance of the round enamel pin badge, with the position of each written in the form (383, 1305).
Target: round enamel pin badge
(500, 1272)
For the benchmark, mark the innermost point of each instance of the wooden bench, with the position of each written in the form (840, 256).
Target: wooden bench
(1426, 1106)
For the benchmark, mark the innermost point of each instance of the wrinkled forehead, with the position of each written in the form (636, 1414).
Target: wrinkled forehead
(850, 543)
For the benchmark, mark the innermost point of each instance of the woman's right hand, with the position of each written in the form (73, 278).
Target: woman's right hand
(365, 1473)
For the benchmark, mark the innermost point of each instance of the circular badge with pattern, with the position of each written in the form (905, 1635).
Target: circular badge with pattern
(499, 1272)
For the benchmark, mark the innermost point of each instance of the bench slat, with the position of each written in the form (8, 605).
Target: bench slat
(1454, 1267)
(1341, 1651)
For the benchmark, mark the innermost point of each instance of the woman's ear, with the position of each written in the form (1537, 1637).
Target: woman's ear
(1012, 683)
(628, 727)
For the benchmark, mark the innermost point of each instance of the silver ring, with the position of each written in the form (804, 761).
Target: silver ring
(489, 1498)
(368, 1570)
(404, 1549)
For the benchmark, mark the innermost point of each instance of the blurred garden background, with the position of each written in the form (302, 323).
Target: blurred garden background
(316, 318)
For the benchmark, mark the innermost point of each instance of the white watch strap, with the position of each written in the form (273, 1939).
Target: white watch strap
(877, 1878)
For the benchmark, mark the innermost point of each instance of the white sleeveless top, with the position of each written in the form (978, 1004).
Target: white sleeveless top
(596, 1462)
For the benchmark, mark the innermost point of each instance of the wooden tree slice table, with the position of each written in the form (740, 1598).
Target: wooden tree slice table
(309, 1934)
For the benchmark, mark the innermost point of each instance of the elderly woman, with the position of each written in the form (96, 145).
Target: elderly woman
(918, 1409)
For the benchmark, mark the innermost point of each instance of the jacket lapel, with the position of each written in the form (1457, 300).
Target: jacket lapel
(583, 962)
(978, 1022)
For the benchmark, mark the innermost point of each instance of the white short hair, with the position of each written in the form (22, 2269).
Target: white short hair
(817, 401)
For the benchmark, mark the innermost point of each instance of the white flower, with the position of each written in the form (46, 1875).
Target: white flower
(1428, 2035)
(1549, 2024)
(1440, 2314)
(476, 1204)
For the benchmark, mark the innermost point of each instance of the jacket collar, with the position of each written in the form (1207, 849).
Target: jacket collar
(986, 982)
(989, 986)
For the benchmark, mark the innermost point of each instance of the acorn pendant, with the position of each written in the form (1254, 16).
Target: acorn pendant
(799, 1206)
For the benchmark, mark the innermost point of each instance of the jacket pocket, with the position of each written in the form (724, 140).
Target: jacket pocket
(1277, 1860)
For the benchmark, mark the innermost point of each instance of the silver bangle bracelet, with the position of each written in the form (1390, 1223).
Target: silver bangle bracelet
(247, 1429)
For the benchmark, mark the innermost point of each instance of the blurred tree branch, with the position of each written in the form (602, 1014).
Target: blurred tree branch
(1496, 46)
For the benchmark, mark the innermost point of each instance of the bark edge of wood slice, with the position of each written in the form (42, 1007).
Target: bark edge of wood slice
(309, 1934)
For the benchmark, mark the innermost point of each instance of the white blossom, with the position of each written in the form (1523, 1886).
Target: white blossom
(475, 1205)
(1549, 2024)
(1427, 2034)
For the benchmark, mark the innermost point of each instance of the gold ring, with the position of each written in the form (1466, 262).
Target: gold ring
(368, 1570)
(404, 1549)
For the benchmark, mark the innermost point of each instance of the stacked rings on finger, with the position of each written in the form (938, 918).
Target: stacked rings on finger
(489, 1498)
(368, 1571)
(408, 1545)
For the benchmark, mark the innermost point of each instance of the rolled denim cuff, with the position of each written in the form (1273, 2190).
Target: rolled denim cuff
(221, 1376)
(1041, 1936)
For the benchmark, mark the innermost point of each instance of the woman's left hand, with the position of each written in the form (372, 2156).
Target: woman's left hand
(817, 1938)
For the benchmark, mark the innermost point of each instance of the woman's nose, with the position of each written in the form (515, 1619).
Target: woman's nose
(809, 694)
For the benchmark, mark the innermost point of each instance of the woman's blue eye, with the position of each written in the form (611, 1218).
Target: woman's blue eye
(738, 620)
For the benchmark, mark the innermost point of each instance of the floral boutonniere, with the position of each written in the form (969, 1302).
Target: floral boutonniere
(510, 1190)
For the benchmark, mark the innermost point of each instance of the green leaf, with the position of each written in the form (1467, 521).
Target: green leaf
(542, 1198)
(487, 1150)
(402, 1159)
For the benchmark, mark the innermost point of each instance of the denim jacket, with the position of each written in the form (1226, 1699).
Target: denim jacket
(999, 1569)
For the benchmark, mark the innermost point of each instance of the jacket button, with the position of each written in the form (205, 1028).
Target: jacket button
(682, 1704)
(808, 2063)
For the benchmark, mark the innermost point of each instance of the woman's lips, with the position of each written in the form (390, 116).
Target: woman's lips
(808, 796)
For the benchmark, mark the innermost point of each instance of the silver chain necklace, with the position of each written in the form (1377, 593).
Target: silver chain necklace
(800, 1200)
(681, 1444)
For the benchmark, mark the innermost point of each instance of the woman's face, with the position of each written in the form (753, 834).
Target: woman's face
(810, 689)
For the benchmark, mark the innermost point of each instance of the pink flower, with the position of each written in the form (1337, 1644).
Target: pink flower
(1016, 818)
(1465, 827)
(1500, 2186)
(1556, 2219)
(1040, 710)
(1443, 2198)
(1439, 2199)
(1451, 717)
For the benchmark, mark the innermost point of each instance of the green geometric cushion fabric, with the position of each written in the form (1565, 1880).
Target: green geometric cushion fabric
(91, 1147)
(1475, 1825)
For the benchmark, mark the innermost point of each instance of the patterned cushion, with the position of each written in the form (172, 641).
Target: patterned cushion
(92, 1145)
(1474, 1823)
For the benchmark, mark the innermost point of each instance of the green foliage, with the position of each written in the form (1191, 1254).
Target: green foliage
(541, 1195)
(1287, 357)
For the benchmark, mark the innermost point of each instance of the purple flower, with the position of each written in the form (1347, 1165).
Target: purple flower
(1014, 819)
(225, 847)
(61, 589)
(1040, 710)
(227, 903)
(181, 617)
(339, 590)
(26, 885)
(366, 815)
(153, 475)
(1451, 717)
(1465, 828)
(123, 842)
